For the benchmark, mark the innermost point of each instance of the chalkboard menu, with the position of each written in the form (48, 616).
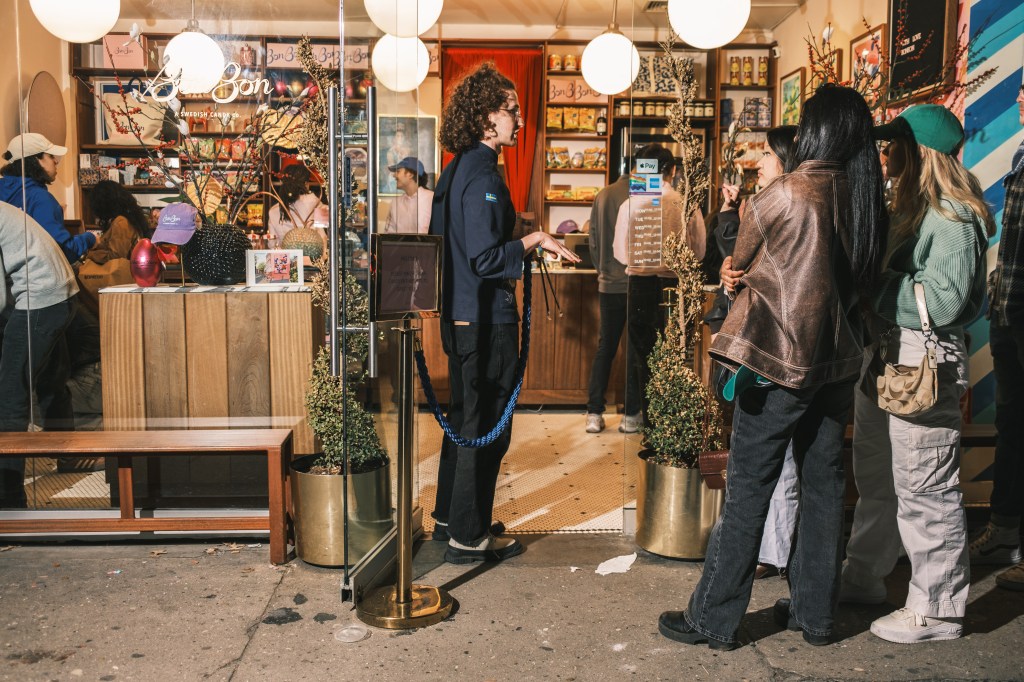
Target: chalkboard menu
(920, 50)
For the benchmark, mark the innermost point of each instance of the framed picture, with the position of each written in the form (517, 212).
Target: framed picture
(791, 97)
(270, 267)
(920, 47)
(866, 64)
(402, 136)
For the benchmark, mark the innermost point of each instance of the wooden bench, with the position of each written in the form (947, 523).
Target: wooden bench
(274, 444)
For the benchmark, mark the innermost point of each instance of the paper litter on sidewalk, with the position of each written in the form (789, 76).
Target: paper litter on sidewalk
(619, 564)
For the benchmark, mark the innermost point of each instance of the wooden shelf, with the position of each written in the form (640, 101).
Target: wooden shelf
(576, 170)
(140, 189)
(575, 136)
(564, 72)
(115, 148)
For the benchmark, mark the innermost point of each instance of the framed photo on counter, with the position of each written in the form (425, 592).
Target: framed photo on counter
(273, 267)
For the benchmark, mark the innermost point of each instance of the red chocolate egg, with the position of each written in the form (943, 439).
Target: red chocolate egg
(146, 264)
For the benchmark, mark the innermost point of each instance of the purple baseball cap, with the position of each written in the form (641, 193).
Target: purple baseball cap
(176, 225)
(567, 227)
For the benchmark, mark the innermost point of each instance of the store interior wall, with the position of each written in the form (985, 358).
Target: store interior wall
(35, 50)
(847, 18)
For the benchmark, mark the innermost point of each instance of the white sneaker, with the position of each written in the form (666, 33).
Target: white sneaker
(1012, 578)
(851, 593)
(631, 423)
(998, 545)
(595, 423)
(904, 626)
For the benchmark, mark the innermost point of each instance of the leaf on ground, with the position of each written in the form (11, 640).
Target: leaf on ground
(211, 550)
(248, 569)
(233, 547)
(157, 552)
(8, 548)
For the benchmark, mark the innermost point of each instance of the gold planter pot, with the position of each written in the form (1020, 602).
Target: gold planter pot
(319, 514)
(675, 511)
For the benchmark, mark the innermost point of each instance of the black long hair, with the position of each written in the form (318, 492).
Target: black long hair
(293, 184)
(26, 167)
(110, 200)
(782, 140)
(835, 125)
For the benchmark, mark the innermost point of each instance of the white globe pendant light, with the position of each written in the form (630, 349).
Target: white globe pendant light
(400, 64)
(610, 62)
(707, 24)
(193, 59)
(76, 21)
(399, 18)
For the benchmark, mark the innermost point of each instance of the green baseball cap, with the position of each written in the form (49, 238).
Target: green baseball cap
(931, 125)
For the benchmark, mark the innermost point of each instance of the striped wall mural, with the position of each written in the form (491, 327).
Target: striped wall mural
(993, 133)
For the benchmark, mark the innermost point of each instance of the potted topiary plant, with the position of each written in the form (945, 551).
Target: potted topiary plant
(675, 510)
(339, 420)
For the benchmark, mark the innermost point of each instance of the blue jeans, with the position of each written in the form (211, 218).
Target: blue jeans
(39, 335)
(613, 321)
(1007, 346)
(765, 422)
(481, 374)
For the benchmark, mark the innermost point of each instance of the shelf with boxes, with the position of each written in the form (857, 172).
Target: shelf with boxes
(747, 85)
(231, 141)
(576, 139)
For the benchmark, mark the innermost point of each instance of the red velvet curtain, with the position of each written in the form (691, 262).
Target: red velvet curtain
(525, 68)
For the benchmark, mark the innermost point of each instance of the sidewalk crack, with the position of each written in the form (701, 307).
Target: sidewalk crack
(250, 632)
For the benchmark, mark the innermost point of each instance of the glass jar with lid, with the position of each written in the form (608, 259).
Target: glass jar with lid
(649, 109)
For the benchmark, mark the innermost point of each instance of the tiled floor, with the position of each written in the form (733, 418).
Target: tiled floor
(555, 477)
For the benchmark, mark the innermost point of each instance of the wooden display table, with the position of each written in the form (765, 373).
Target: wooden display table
(206, 357)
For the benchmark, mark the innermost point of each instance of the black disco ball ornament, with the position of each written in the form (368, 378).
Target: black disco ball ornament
(215, 255)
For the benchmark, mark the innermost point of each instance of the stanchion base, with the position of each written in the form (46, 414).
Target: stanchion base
(429, 606)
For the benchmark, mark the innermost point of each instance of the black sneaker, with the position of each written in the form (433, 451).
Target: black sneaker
(458, 555)
(672, 624)
(783, 618)
(441, 531)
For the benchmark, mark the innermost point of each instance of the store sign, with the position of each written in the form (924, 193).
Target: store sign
(163, 88)
(327, 55)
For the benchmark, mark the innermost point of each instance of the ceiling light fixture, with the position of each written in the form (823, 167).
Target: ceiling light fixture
(193, 59)
(396, 18)
(610, 61)
(707, 24)
(76, 21)
(400, 64)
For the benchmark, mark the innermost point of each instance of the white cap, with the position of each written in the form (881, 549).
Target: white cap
(31, 144)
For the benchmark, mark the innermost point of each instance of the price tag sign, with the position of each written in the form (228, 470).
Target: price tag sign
(646, 166)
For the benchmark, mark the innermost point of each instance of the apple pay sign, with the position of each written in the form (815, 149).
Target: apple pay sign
(646, 165)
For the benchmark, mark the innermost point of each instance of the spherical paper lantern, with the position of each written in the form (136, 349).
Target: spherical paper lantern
(397, 18)
(610, 63)
(195, 61)
(76, 21)
(708, 24)
(400, 64)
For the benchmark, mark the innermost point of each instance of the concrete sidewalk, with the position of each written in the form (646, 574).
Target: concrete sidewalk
(184, 612)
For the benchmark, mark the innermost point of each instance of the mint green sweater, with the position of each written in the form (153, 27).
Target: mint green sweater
(947, 257)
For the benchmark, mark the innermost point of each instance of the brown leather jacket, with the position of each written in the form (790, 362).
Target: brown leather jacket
(795, 320)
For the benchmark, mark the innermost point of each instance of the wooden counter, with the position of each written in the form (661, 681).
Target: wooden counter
(207, 357)
(562, 348)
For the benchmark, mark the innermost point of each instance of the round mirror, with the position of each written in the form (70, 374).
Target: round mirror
(46, 109)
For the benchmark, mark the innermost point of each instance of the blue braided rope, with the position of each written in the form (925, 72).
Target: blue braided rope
(506, 415)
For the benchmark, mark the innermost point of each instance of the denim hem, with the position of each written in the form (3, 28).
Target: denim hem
(813, 631)
(707, 633)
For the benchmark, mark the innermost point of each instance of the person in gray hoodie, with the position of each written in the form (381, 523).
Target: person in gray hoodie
(37, 295)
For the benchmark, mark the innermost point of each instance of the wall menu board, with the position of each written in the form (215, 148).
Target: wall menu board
(926, 42)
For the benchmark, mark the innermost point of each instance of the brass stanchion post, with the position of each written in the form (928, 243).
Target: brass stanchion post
(404, 606)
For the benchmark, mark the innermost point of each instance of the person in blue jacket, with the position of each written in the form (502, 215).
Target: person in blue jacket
(32, 165)
(473, 210)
